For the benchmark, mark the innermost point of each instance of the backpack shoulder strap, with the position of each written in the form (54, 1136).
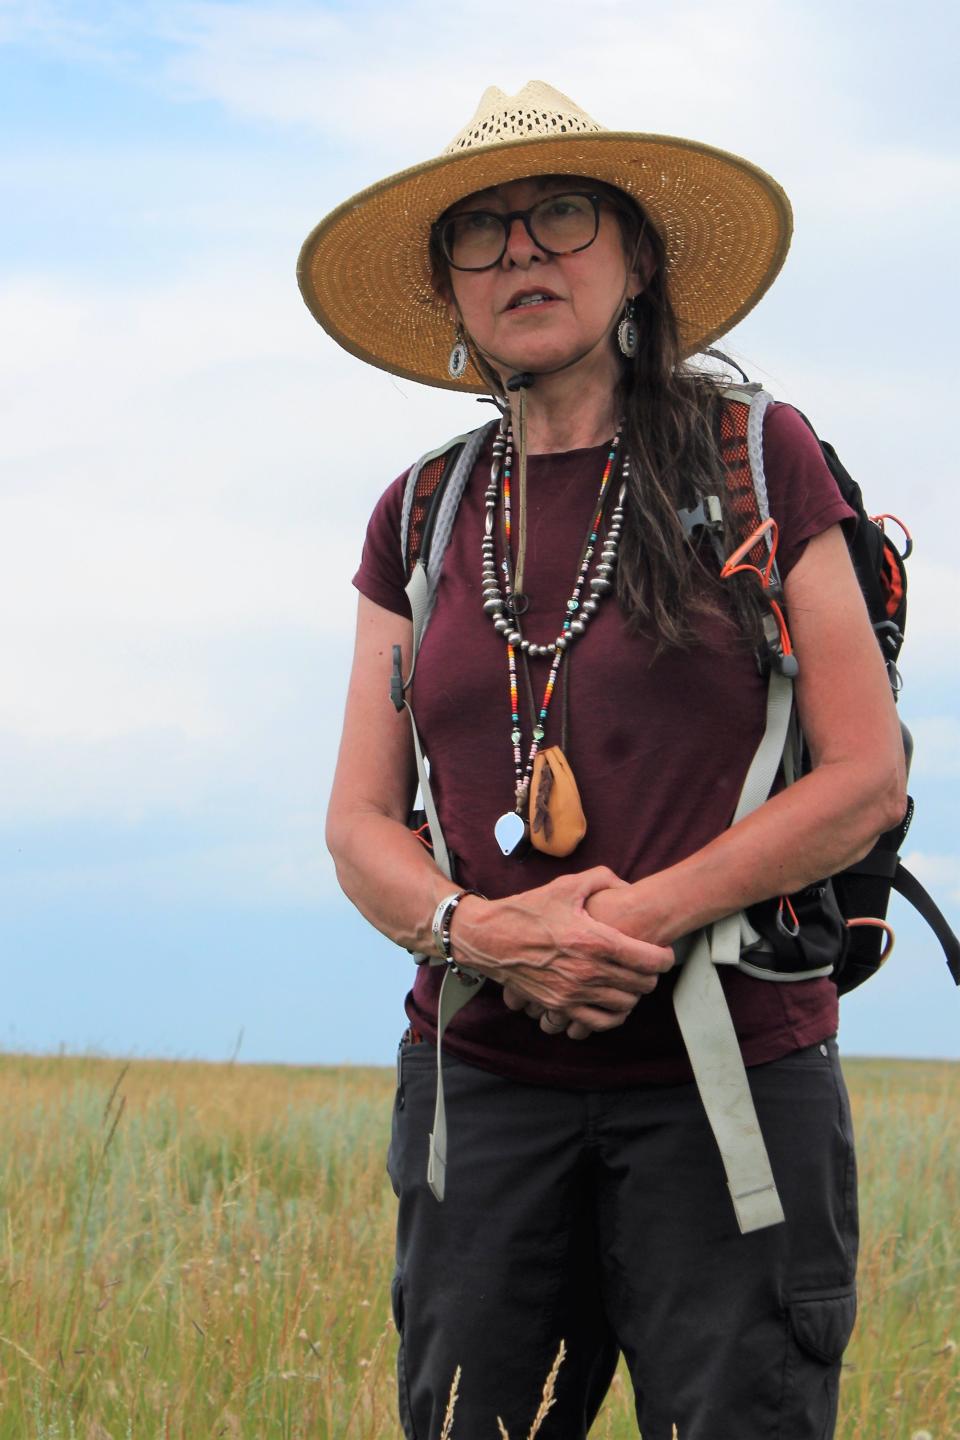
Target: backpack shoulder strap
(425, 483)
(741, 450)
(433, 493)
(426, 487)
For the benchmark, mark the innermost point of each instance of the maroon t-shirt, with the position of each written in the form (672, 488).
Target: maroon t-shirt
(659, 746)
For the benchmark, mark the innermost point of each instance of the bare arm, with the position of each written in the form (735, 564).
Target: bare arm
(543, 941)
(829, 818)
(385, 870)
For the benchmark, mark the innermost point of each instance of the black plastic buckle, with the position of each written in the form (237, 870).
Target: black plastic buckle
(706, 515)
(396, 679)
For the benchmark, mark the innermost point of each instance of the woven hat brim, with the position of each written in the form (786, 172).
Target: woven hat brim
(364, 270)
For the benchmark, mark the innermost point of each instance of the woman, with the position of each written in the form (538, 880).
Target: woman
(568, 270)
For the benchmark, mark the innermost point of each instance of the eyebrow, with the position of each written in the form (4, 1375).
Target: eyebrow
(542, 182)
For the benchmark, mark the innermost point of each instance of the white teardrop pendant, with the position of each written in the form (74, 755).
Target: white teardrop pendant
(510, 832)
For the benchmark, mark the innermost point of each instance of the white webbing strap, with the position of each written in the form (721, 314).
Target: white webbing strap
(704, 1019)
(440, 852)
(455, 991)
(418, 594)
(769, 753)
(714, 1051)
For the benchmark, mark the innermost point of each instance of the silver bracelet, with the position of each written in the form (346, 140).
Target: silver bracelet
(442, 918)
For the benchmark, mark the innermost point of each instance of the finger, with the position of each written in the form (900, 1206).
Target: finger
(585, 1022)
(637, 956)
(515, 1000)
(585, 1019)
(611, 985)
(552, 1023)
(600, 877)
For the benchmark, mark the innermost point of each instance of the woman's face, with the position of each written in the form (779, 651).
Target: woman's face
(541, 312)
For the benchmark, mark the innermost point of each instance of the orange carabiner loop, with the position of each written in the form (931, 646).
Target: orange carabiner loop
(908, 547)
(877, 925)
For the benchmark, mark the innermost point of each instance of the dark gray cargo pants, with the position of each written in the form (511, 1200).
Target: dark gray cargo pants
(603, 1219)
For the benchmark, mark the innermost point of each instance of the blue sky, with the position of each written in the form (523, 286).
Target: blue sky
(187, 462)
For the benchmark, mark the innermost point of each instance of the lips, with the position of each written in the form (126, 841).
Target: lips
(529, 298)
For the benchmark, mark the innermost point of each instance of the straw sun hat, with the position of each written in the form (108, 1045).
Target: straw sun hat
(364, 271)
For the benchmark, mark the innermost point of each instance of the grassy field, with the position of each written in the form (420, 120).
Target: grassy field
(196, 1250)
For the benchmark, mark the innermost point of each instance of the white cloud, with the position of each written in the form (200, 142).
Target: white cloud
(936, 740)
(60, 30)
(940, 873)
(188, 470)
(286, 865)
(189, 462)
(169, 723)
(635, 66)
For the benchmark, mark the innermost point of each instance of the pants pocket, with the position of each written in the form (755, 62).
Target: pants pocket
(403, 1393)
(819, 1327)
(822, 1324)
(399, 1101)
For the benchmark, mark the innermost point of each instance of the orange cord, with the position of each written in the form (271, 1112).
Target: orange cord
(785, 901)
(732, 566)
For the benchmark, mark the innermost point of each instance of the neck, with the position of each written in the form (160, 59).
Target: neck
(570, 410)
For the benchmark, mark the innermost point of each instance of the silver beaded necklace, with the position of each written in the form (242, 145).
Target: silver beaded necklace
(512, 828)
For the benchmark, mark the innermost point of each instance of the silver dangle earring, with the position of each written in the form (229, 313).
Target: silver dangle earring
(459, 357)
(628, 337)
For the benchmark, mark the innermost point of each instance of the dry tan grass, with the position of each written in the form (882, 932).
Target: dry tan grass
(205, 1250)
(452, 1399)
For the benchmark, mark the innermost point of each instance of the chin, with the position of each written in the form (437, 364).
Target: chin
(537, 362)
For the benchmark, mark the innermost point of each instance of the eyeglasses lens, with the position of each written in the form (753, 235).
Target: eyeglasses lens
(476, 239)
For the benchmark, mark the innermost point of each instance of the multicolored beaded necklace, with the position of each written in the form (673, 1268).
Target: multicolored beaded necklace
(512, 829)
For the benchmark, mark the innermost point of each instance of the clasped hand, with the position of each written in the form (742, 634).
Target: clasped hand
(555, 962)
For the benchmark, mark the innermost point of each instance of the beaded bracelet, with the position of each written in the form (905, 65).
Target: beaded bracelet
(442, 919)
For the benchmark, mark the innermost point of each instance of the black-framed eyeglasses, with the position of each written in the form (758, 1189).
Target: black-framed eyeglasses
(559, 224)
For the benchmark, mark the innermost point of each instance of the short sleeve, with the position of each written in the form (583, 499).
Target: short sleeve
(804, 498)
(381, 576)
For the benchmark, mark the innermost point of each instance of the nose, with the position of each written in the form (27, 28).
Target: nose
(521, 248)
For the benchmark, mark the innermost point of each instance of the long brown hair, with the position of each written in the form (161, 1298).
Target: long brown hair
(671, 432)
(672, 416)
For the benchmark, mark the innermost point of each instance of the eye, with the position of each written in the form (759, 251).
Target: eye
(476, 222)
(559, 207)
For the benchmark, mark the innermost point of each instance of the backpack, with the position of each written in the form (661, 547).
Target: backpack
(840, 923)
(836, 927)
